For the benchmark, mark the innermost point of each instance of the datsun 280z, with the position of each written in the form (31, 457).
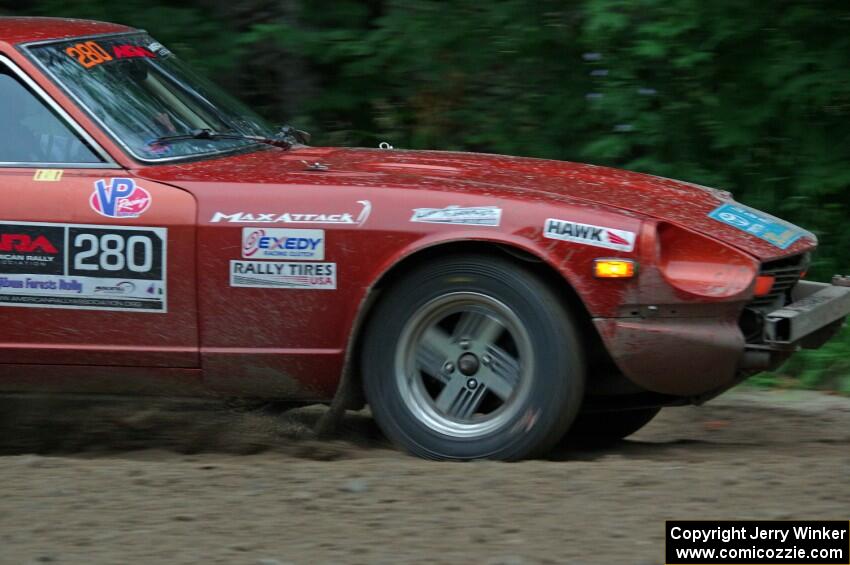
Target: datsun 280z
(159, 238)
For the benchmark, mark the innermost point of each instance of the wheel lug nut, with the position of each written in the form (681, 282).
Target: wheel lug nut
(449, 367)
(464, 344)
(485, 359)
(472, 383)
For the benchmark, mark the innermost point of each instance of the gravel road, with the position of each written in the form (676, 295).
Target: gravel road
(184, 482)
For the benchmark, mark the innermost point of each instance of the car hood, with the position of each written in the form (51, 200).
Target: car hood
(684, 204)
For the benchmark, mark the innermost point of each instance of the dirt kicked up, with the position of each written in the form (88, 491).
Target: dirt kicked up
(185, 482)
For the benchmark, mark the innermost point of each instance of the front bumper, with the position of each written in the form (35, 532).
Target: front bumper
(702, 356)
(813, 317)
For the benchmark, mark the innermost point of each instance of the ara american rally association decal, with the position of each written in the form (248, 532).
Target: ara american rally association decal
(588, 234)
(86, 267)
(119, 198)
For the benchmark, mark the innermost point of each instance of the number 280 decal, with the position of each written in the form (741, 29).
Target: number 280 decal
(88, 54)
(107, 252)
(91, 54)
(89, 267)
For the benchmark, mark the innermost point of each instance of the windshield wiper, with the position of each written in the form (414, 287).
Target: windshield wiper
(285, 138)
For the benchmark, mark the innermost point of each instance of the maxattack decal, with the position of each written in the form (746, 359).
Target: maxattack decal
(296, 217)
(280, 243)
(83, 267)
(273, 274)
(121, 198)
(599, 236)
(470, 215)
(764, 226)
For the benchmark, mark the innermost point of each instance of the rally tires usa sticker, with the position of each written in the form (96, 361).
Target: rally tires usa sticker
(83, 267)
(278, 274)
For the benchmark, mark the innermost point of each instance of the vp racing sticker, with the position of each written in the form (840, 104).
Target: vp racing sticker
(121, 198)
(87, 267)
(275, 274)
(588, 234)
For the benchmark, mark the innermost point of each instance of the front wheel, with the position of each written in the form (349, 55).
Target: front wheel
(471, 357)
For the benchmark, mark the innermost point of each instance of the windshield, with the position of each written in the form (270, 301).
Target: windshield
(141, 92)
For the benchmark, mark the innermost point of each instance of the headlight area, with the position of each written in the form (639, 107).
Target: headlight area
(683, 338)
(702, 267)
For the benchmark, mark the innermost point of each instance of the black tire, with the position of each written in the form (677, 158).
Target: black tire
(605, 428)
(550, 384)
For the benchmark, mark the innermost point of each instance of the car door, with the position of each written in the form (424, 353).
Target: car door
(96, 267)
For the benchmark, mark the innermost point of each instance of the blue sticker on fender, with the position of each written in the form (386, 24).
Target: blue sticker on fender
(764, 226)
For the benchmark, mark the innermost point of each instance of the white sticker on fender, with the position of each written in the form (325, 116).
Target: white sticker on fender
(275, 274)
(472, 215)
(598, 236)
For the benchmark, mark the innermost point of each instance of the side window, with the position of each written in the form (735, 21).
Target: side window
(31, 132)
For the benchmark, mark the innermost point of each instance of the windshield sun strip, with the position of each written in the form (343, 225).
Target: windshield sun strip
(27, 50)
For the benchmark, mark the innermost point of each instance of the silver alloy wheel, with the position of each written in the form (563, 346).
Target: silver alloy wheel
(464, 364)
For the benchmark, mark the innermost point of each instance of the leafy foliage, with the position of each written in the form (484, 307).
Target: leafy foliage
(750, 97)
(825, 368)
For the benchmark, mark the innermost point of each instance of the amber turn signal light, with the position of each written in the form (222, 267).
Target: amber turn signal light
(614, 268)
(764, 284)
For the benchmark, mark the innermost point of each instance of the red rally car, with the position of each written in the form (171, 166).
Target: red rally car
(159, 238)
